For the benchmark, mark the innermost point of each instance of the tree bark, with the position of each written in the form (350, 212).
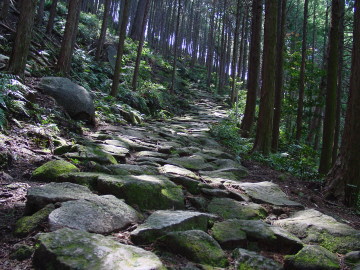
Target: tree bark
(120, 49)
(136, 28)
(172, 89)
(50, 24)
(18, 58)
(254, 66)
(266, 109)
(5, 10)
(68, 42)
(343, 182)
(40, 13)
(104, 25)
(331, 85)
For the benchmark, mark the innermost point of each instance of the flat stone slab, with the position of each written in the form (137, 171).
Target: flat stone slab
(87, 153)
(229, 209)
(267, 192)
(39, 197)
(79, 250)
(116, 151)
(147, 192)
(175, 170)
(130, 169)
(100, 214)
(245, 259)
(196, 246)
(232, 173)
(239, 233)
(193, 162)
(314, 227)
(164, 221)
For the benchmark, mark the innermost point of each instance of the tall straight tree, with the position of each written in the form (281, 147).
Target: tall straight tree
(17, 62)
(104, 25)
(279, 92)
(266, 110)
(343, 182)
(211, 44)
(120, 49)
(52, 15)
(140, 46)
(300, 109)
(136, 27)
(40, 12)
(254, 66)
(331, 89)
(63, 64)
(176, 45)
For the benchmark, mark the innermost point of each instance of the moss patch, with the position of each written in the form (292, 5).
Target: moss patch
(51, 170)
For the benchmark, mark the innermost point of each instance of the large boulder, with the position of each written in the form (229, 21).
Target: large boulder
(75, 99)
(100, 214)
(313, 227)
(79, 250)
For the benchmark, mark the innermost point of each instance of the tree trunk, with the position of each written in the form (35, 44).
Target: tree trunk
(300, 110)
(254, 66)
(279, 92)
(140, 46)
(5, 10)
(17, 62)
(343, 182)
(104, 25)
(50, 24)
(136, 28)
(120, 49)
(172, 89)
(266, 110)
(40, 13)
(210, 56)
(331, 86)
(68, 42)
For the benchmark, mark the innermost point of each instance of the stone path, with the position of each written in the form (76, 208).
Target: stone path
(175, 199)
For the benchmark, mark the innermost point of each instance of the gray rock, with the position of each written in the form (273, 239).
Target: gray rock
(39, 197)
(75, 99)
(312, 258)
(150, 154)
(191, 185)
(100, 214)
(311, 226)
(352, 257)
(193, 162)
(143, 191)
(245, 259)
(117, 151)
(79, 250)
(234, 174)
(174, 170)
(129, 169)
(196, 246)
(162, 222)
(267, 192)
(219, 193)
(229, 209)
(92, 153)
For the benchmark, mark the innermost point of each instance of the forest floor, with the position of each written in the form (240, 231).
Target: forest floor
(27, 154)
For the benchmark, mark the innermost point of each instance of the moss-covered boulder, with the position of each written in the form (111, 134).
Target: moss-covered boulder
(229, 209)
(314, 227)
(268, 192)
(145, 192)
(249, 260)
(74, 249)
(162, 222)
(100, 214)
(312, 257)
(130, 169)
(196, 246)
(51, 170)
(26, 225)
(242, 233)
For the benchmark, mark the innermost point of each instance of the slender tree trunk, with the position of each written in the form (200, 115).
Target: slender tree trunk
(340, 83)
(40, 13)
(210, 58)
(266, 109)
(331, 86)
(254, 66)
(5, 10)
(120, 50)
(300, 110)
(172, 89)
(68, 42)
(104, 25)
(136, 28)
(343, 182)
(140, 46)
(245, 50)
(18, 58)
(50, 24)
(279, 92)
(221, 73)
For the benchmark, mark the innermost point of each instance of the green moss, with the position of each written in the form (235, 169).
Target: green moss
(244, 266)
(21, 253)
(339, 244)
(28, 224)
(53, 169)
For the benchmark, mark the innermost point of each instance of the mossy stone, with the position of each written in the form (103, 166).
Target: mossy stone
(51, 170)
(312, 258)
(196, 246)
(249, 260)
(25, 225)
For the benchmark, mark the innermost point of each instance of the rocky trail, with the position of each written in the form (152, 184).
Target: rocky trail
(165, 195)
